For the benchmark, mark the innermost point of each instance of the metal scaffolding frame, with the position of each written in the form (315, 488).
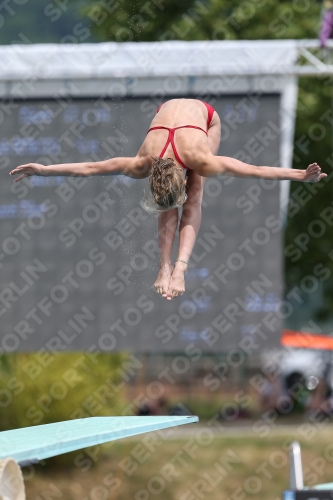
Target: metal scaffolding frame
(312, 59)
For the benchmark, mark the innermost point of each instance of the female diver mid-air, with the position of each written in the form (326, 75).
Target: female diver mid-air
(176, 176)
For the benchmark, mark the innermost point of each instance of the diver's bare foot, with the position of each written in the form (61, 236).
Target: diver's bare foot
(177, 281)
(161, 284)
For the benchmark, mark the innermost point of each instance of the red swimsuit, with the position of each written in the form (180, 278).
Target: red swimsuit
(171, 136)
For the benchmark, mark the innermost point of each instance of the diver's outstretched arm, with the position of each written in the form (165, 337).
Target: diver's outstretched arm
(136, 167)
(223, 165)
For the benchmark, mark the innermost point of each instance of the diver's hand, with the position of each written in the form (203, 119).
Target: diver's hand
(28, 170)
(313, 173)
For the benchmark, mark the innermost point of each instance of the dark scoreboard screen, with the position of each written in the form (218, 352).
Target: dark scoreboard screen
(79, 256)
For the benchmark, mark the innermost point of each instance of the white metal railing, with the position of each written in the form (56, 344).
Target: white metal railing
(166, 59)
(312, 59)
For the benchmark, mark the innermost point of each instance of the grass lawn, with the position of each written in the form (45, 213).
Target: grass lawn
(193, 465)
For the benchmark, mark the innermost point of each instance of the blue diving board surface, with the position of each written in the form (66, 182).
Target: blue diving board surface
(326, 486)
(35, 443)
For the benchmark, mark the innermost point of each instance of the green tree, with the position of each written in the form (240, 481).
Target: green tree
(309, 217)
(155, 20)
(41, 388)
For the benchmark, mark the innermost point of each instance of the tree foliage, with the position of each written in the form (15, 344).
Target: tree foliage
(155, 20)
(309, 232)
(41, 388)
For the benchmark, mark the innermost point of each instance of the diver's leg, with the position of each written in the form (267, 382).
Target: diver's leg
(191, 217)
(188, 230)
(167, 225)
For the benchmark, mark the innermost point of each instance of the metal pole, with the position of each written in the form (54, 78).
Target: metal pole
(296, 472)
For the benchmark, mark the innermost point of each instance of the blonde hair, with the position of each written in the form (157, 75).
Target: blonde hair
(167, 186)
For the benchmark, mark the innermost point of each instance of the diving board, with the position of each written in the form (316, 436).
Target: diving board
(326, 487)
(31, 444)
(35, 443)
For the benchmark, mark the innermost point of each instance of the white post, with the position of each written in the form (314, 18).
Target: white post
(11, 480)
(296, 472)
